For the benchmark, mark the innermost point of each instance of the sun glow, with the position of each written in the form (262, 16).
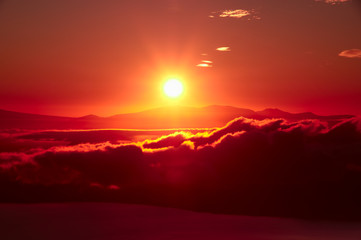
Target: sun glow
(173, 88)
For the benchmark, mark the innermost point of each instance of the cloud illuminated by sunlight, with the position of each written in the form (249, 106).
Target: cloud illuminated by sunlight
(224, 49)
(351, 53)
(238, 13)
(205, 65)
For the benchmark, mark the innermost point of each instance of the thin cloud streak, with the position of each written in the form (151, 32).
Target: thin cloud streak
(235, 13)
(333, 2)
(223, 49)
(204, 65)
(238, 13)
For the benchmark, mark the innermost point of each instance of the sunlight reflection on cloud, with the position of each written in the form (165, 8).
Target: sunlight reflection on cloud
(204, 65)
(224, 49)
(236, 13)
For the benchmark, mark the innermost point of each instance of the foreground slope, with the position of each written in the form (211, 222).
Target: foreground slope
(94, 221)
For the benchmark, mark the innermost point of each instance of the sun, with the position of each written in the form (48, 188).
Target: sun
(173, 88)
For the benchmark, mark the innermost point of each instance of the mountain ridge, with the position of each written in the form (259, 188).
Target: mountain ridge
(156, 118)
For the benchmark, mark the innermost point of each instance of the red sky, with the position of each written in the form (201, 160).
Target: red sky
(106, 57)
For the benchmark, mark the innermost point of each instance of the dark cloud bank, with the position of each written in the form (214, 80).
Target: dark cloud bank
(271, 167)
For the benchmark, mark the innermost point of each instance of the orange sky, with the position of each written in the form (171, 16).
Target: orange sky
(106, 57)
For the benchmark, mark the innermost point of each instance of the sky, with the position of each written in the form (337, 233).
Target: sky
(78, 57)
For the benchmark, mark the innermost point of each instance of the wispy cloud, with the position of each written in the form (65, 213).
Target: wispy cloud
(238, 13)
(235, 13)
(205, 64)
(333, 2)
(223, 49)
(351, 53)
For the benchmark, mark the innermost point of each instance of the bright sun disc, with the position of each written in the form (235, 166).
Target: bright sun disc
(173, 88)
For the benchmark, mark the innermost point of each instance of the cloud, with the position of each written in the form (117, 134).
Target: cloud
(351, 53)
(81, 156)
(205, 64)
(238, 13)
(269, 166)
(223, 49)
(333, 2)
(174, 140)
(235, 13)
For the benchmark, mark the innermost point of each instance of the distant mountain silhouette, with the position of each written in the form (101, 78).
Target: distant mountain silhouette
(158, 118)
(90, 117)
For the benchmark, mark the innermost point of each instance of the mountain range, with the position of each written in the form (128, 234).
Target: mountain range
(157, 118)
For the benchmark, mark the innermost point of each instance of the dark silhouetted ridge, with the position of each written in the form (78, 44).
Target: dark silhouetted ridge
(157, 118)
